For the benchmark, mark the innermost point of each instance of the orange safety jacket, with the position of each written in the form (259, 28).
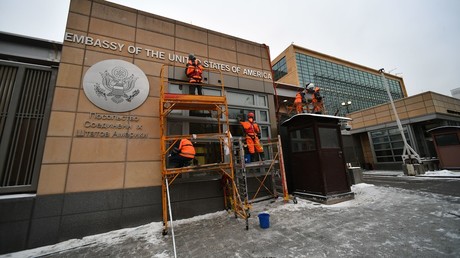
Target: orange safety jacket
(186, 149)
(298, 98)
(316, 95)
(194, 71)
(251, 129)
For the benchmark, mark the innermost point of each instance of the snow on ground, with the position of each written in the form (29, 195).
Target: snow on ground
(441, 173)
(380, 221)
(431, 174)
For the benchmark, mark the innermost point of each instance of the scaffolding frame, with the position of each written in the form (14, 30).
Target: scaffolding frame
(172, 101)
(271, 169)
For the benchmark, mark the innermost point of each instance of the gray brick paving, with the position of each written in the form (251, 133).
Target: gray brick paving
(380, 222)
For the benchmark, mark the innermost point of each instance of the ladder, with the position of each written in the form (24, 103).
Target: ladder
(268, 177)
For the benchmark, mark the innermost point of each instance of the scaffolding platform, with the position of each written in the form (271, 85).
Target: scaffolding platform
(231, 166)
(170, 101)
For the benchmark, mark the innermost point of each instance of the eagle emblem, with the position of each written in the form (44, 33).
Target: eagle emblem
(117, 84)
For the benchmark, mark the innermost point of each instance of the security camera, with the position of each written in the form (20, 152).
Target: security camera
(348, 127)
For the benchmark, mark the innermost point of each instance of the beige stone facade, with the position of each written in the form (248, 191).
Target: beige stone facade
(82, 164)
(408, 108)
(418, 114)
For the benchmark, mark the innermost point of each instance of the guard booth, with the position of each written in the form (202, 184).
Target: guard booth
(447, 142)
(315, 164)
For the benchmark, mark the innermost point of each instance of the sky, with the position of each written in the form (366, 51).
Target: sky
(416, 39)
(379, 221)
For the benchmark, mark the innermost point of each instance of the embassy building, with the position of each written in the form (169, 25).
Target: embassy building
(80, 124)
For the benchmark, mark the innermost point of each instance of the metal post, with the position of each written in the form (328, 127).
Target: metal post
(408, 152)
(170, 216)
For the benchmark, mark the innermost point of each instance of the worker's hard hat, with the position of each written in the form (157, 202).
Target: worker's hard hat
(250, 114)
(191, 56)
(310, 86)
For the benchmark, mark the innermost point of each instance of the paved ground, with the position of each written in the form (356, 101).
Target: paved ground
(444, 186)
(379, 222)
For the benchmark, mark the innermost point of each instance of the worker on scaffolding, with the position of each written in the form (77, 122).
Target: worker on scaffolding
(299, 100)
(183, 153)
(252, 132)
(194, 72)
(316, 98)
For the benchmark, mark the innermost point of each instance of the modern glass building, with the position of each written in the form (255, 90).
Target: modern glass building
(374, 141)
(340, 81)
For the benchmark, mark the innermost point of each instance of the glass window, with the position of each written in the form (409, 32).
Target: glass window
(302, 140)
(241, 114)
(240, 99)
(382, 146)
(279, 69)
(202, 128)
(236, 130)
(262, 101)
(263, 116)
(174, 128)
(447, 139)
(328, 137)
(265, 131)
(388, 144)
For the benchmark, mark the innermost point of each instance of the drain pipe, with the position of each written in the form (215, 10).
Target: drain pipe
(170, 216)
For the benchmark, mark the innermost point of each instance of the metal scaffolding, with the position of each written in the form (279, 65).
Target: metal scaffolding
(268, 176)
(171, 101)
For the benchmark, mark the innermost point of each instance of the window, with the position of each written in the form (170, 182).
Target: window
(279, 69)
(202, 122)
(367, 88)
(23, 121)
(240, 99)
(388, 144)
(328, 137)
(302, 140)
(447, 139)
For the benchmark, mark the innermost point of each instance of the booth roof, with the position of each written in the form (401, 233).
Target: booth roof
(447, 127)
(297, 116)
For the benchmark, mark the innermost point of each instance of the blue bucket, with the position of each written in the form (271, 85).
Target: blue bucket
(264, 220)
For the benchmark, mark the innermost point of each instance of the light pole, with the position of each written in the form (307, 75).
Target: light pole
(346, 104)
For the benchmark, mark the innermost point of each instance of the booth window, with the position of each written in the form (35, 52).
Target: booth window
(447, 139)
(328, 138)
(303, 140)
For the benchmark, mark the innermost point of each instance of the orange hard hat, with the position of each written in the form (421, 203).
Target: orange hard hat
(250, 114)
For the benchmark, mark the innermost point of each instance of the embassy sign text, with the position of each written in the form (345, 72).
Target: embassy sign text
(112, 126)
(120, 47)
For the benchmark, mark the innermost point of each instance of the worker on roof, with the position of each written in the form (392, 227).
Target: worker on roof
(194, 72)
(183, 153)
(299, 100)
(316, 98)
(252, 132)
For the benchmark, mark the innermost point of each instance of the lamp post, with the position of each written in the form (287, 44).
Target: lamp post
(346, 104)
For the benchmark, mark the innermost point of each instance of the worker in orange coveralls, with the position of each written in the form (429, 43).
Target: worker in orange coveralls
(252, 132)
(298, 102)
(194, 71)
(183, 153)
(317, 99)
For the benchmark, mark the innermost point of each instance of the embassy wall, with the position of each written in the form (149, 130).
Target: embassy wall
(101, 169)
